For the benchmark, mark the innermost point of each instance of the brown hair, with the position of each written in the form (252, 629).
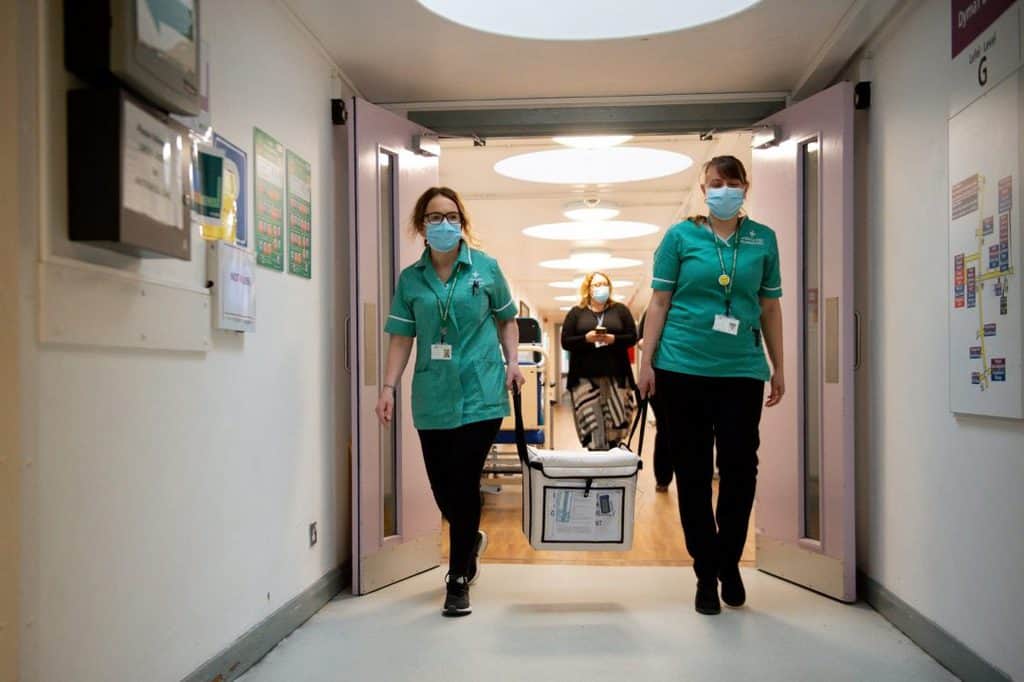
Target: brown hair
(730, 168)
(585, 288)
(419, 213)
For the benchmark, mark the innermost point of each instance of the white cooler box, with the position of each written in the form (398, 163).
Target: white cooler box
(579, 499)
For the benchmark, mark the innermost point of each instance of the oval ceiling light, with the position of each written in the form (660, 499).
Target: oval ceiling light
(575, 284)
(593, 166)
(591, 141)
(583, 264)
(566, 308)
(570, 299)
(593, 20)
(604, 230)
(591, 209)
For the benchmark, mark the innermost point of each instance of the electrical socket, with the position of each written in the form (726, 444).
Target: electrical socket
(312, 534)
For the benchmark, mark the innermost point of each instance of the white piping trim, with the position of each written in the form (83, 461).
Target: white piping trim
(402, 319)
(667, 281)
(778, 288)
(498, 310)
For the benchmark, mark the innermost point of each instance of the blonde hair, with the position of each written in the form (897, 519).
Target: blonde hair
(585, 288)
(730, 168)
(419, 214)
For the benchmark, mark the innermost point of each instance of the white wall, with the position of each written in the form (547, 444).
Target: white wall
(169, 494)
(941, 498)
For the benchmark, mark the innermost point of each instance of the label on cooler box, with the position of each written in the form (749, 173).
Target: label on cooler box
(578, 515)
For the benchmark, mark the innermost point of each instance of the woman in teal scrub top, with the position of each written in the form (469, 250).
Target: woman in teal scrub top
(456, 305)
(715, 309)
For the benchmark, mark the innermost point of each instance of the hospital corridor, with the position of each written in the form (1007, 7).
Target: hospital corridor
(387, 340)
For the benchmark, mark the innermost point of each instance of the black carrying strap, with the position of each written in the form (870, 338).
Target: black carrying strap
(517, 402)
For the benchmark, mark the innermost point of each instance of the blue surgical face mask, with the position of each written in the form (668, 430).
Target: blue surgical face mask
(725, 202)
(600, 294)
(443, 237)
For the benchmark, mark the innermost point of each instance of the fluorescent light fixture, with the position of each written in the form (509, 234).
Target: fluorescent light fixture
(593, 166)
(602, 230)
(591, 141)
(593, 20)
(764, 137)
(575, 284)
(590, 209)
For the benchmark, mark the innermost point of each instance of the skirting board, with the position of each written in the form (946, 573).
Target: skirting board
(939, 644)
(248, 649)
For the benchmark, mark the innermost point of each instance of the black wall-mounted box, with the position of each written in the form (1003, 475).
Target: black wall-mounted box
(128, 175)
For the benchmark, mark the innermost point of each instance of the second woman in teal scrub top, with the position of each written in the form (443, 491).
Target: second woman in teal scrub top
(714, 311)
(455, 304)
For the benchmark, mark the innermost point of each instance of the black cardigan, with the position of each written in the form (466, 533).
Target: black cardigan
(585, 359)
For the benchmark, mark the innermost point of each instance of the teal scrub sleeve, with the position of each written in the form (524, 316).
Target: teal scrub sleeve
(666, 263)
(401, 320)
(771, 278)
(503, 306)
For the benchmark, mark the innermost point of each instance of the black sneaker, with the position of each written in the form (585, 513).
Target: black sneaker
(733, 592)
(457, 601)
(474, 564)
(707, 598)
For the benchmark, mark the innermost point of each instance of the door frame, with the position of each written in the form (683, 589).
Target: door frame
(10, 335)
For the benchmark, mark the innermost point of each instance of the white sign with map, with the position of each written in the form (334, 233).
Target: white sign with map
(986, 352)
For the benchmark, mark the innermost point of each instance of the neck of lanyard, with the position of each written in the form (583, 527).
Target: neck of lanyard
(443, 312)
(727, 279)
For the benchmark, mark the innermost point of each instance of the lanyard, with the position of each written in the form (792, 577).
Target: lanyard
(443, 312)
(726, 280)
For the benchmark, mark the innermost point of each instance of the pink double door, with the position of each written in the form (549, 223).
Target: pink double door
(803, 189)
(396, 525)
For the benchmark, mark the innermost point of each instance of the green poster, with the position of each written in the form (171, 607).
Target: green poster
(268, 199)
(300, 216)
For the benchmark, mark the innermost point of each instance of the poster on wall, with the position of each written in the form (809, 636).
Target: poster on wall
(268, 200)
(238, 184)
(300, 216)
(986, 349)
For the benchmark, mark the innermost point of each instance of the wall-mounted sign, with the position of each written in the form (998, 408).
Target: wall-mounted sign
(238, 185)
(233, 273)
(268, 199)
(986, 47)
(300, 216)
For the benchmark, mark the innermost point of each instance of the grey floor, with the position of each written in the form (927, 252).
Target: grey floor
(571, 623)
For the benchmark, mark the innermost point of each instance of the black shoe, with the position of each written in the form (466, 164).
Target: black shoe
(457, 601)
(474, 564)
(733, 592)
(707, 598)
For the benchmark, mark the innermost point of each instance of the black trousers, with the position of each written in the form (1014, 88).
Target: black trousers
(663, 463)
(701, 413)
(455, 461)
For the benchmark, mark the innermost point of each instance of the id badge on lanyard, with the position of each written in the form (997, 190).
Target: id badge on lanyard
(443, 350)
(727, 324)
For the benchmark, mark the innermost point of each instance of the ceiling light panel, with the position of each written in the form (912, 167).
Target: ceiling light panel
(583, 265)
(597, 20)
(604, 230)
(593, 166)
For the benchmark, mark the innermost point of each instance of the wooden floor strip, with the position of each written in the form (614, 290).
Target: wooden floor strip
(657, 533)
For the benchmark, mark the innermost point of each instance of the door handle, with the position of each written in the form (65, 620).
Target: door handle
(856, 341)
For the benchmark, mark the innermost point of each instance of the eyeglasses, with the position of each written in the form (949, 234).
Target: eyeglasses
(438, 218)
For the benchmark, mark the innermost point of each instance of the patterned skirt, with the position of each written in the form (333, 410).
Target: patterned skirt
(603, 412)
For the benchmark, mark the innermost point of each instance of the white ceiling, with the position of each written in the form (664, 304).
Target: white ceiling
(500, 208)
(397, 51)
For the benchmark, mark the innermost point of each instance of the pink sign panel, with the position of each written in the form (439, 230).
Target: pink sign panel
(970, 18)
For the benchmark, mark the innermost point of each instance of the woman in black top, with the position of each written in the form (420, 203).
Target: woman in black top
(597, 334)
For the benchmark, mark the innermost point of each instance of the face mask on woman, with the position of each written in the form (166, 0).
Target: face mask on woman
(600, 294)
(443, 237)
(725, 202)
